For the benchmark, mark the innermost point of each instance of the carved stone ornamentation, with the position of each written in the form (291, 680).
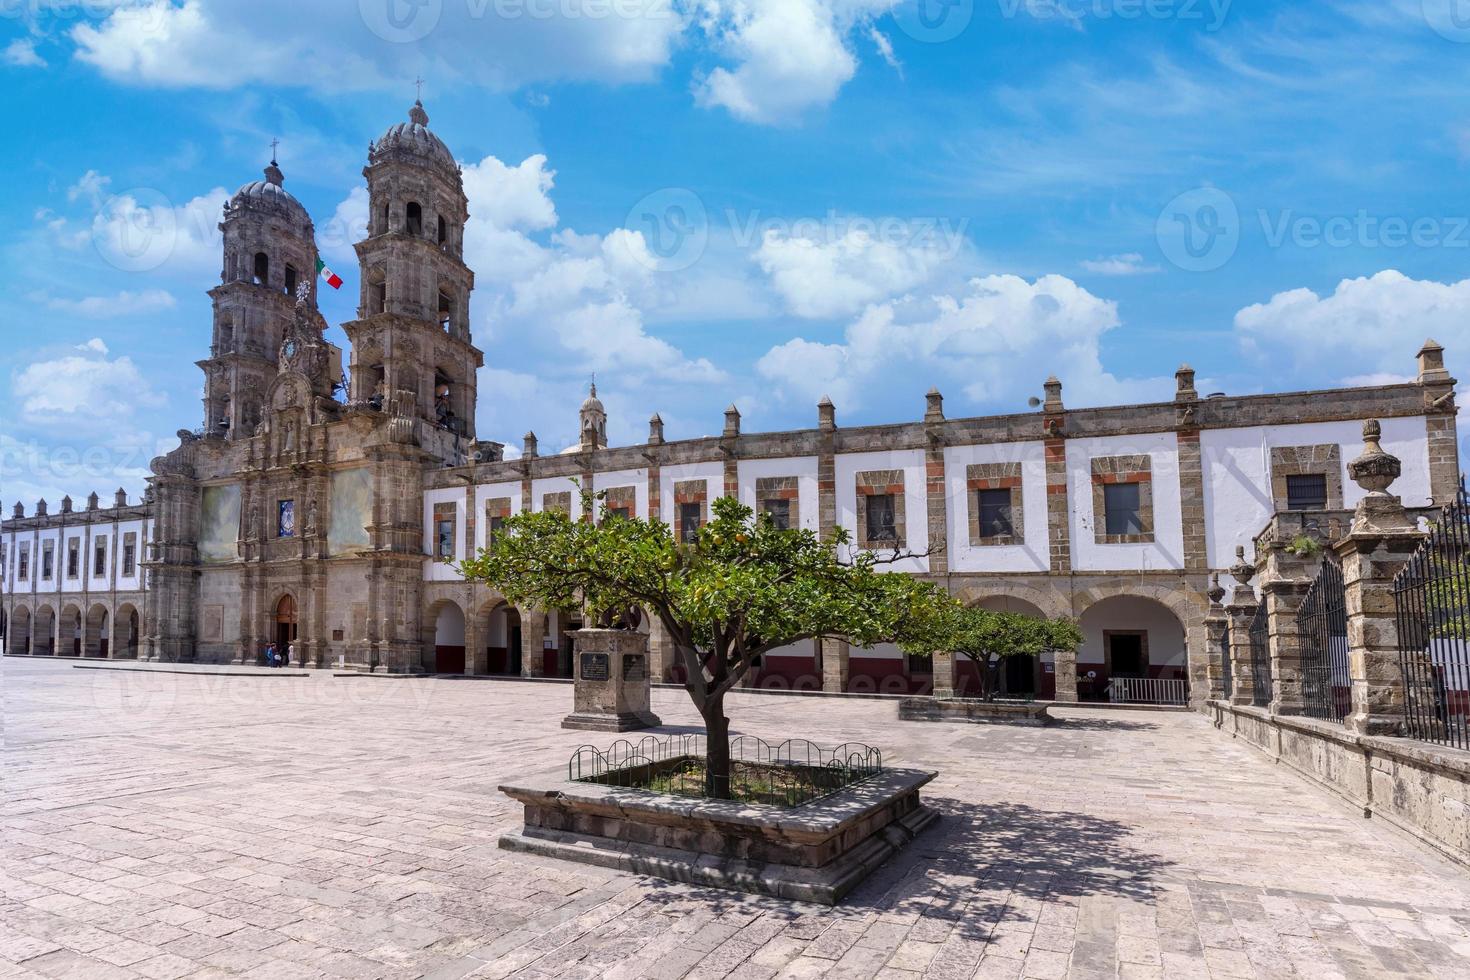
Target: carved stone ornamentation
(1374, 470)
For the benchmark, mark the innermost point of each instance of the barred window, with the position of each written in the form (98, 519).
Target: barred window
(1121, 506)
(1307, 491)
(995, 513)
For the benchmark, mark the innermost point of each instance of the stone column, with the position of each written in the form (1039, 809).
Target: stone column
(943, 674)
(1240, 610)
(1058, 515)
(1285, 579)
(613, 693)
(1439, 423)
(827, 476)
(1382, 539)
(937, 493)
(834, 664)
(533, 643)
(1210, 686)
(1191, 470)
(1065, 665)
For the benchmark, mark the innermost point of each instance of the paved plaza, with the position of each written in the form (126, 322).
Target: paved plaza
(176, 824)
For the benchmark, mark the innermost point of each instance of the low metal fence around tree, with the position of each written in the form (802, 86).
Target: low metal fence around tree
(1260, 658)
(1432, 593)
(1321, 623)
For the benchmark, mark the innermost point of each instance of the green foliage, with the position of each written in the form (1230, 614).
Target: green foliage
(1304, 546)
(743, 587)
(983, 634)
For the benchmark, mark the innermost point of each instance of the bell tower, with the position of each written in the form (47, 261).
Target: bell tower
(269, 256)
(411, 340)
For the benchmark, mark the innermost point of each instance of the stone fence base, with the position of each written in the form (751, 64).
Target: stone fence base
(1420, 788)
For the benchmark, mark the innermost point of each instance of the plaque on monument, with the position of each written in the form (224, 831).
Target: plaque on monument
(613, 692)
(594, 667)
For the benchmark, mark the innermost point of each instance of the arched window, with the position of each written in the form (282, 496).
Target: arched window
(377, 296)
(443, 230)
(290, 280)
(262, 269)
(415, 218)
(446, 310)
(387, 220)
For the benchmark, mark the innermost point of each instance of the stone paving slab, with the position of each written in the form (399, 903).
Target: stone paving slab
(174, 825)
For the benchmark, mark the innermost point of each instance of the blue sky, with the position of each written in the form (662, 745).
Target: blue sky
(758, 201)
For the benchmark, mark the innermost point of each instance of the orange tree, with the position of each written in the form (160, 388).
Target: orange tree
(987, 637)
(741, 588)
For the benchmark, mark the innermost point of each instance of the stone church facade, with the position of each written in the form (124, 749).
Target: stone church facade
(328, 517)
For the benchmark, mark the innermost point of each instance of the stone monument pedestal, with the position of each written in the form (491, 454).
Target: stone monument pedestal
(613, 691)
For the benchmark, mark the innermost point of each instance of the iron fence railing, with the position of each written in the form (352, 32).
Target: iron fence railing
(1261, 689)
(1148, 690)
(789, 773)
(1321, 623)
(1432, 594)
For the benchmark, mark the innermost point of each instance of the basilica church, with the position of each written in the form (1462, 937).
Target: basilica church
(324, 507)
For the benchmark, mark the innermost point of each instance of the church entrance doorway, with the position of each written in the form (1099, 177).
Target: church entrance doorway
(285, 623)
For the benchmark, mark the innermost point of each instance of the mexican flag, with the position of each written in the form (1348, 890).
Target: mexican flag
(333, 280)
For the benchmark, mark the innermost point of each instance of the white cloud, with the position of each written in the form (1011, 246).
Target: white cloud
(789, 55)
(1129, 264)
(1378, 321)
(89, 186)
(124, 303)
(998, 340)
(840, 275)
(21, 53)
(224, 44)
(88, 390)
(141, 230)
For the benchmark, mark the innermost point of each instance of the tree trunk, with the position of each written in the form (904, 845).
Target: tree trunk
(717, 753)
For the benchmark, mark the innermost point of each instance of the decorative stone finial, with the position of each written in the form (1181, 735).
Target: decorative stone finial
(1184, 384)
(656, 430)
(1374, 470)
(120, 499)
(528, 445)
(417, 114)
(41, 507)
(92, 500)
(1431, 363)
(1053, 389)
(826, 414)
(20, 510)
(933, 406)
(273, 174)
(1216, 591)
(1242, 571)
(732, 422)
(66, 504)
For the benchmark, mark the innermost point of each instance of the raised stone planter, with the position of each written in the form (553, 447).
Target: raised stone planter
(817, 852)
(974, 712)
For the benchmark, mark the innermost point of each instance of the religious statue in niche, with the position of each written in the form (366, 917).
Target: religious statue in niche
(308, 527)
(286, 519)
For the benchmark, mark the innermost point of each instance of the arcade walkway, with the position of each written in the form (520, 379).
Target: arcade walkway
(166, 825)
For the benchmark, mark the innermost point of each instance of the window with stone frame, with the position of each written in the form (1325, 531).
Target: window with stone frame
(690, 498)
(23, 562)
(996, 516)
(497, 512)
(1321, 466)
(446, 523)
(99, 558)
(1123, 499)
(48, 561)
(881, 522)
(74, 558)
(620, 502)
(129, 553)
(559, 502)
(779, 498)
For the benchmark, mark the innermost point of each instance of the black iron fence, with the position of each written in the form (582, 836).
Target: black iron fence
(1321, 623)
(1260, 658)
(1433, 609)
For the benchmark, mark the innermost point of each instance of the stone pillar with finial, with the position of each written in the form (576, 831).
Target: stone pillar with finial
(1284, 578)
(1209, 683)
(1240, 610)
(936, 492)
(1381, 540)
(1439, 423)
(730, 447)
(1058, 512)
(826, 467)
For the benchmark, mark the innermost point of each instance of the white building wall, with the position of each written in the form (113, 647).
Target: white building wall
(491, 491)
(1167, 548)
(713, 474)
(1237, 473)
(1136, 614)
(1033, 554)
(637, 479)
(436, 570)
(804, 468)
(916, 499)
(555, 484)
